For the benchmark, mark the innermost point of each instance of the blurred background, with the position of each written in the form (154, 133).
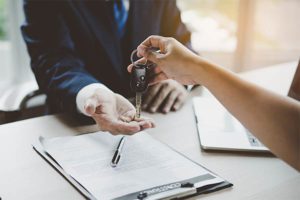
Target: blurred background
(238, 34)
(244, 34)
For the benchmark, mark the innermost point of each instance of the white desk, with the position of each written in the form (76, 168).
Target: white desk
(25, 175)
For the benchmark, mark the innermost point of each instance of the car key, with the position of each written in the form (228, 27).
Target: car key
(138, 82)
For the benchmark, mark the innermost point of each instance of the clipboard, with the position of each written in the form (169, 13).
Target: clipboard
(39, 149)
(168, 194)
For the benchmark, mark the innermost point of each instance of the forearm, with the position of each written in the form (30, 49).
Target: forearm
(274, 119)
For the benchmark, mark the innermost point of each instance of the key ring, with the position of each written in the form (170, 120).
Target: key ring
(148, 64)
(132, 55)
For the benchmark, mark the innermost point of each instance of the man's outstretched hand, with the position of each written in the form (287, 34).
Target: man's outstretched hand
(114, 113)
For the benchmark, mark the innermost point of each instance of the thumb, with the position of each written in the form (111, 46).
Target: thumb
(90, 106)
(142, 60)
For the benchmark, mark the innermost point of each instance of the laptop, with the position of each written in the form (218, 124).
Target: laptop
(219, 130)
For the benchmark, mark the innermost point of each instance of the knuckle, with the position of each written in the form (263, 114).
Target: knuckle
(166, 84)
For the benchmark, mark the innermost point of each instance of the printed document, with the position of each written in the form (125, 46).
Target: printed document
(145, 163)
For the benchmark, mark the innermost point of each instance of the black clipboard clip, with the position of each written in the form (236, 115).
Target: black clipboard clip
(163, 188)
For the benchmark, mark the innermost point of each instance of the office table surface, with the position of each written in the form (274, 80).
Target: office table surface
(25, 175)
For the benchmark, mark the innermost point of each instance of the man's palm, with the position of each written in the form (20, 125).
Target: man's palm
(115, 114)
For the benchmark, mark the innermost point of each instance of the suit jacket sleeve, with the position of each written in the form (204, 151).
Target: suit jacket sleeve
(172, 26)
(59, 71)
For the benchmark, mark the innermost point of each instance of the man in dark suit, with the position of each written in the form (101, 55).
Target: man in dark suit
(80, 50)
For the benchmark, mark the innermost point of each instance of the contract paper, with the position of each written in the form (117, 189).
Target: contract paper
(145, 163)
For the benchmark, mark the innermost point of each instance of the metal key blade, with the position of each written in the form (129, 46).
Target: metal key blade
(138, 104)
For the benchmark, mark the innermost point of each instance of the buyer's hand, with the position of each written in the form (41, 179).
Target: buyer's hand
(164, 96)
(114, 113)
(173, 61)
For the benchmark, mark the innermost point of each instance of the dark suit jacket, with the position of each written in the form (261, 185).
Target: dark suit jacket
(73, 43)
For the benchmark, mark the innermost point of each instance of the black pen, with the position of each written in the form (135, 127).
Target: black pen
(117, 155)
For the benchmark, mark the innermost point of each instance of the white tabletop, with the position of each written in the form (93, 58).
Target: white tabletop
(25, 175)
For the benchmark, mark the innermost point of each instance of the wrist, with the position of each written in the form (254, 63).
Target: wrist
(201, 70)
(195, 69)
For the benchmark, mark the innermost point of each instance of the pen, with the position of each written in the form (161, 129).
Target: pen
(117, 155)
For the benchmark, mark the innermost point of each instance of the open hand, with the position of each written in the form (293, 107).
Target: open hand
(114, 113)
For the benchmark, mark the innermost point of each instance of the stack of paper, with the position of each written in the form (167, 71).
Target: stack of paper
(145, 164)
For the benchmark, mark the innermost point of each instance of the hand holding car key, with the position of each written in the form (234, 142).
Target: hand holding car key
(139, 80)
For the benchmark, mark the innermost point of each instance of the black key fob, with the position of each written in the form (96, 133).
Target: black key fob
(139, 80)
